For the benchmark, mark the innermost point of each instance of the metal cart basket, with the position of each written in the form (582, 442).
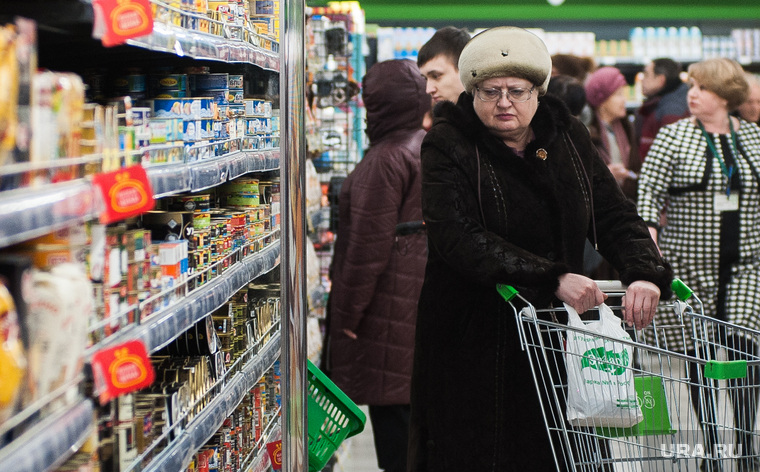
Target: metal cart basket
(696, 385)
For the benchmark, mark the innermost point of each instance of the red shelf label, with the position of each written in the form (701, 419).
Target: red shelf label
(126, 193)
(118, 20)
(275, 454)
(121, 369)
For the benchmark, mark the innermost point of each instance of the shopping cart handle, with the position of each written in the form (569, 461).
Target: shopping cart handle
(611, 286)
(682, 291)
(507, 292)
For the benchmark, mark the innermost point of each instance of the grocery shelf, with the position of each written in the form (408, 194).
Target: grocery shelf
(237, 165)
(26, 213)
(30, 212)
(262, 161)
(183, 42)
(50, 442)
(160, 329)
(171, 179)
(179, 453)
(34, 211)
(208, 173)
(261, 462)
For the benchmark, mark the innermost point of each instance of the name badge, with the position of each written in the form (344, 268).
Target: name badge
(726, 203)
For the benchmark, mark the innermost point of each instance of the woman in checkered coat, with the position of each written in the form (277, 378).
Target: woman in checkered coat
(703, 171)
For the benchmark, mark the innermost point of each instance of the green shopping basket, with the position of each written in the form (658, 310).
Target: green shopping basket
(332, 417)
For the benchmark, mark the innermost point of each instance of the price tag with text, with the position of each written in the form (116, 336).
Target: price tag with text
(126, 193)
(275, 454)
(119, 20)
(121, 369)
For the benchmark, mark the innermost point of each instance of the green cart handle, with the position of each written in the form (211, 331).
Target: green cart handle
(507, 292)
(682, 291)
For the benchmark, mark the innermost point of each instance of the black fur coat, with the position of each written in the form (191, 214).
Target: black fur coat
(499, 218)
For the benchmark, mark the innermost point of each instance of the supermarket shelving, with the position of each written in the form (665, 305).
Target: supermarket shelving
(179, 454)
(30, 212)
(49, 442)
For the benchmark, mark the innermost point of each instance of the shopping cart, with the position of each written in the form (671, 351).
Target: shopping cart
(695, 379)
(332, 417)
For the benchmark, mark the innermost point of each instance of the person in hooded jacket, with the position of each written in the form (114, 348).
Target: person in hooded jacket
(511, 188)
(377, 273)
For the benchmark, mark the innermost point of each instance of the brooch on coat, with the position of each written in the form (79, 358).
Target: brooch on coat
(541, 154)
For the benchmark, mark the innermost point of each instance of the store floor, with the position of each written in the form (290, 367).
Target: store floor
(359, 455)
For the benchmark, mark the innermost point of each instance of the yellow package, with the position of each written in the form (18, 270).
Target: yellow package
(9, 75)
(12, 358)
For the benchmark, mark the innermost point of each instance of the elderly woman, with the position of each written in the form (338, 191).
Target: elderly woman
(511, 188)
(702, 171)
(610, 129)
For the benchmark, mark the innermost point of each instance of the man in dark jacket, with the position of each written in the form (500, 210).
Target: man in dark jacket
(377, 273)
(665, 103)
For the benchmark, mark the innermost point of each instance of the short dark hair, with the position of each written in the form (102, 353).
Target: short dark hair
(569, 90)
(448, 41)
(574, 66)
(670, 69)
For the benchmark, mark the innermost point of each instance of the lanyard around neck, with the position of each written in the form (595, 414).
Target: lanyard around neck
(727, 170)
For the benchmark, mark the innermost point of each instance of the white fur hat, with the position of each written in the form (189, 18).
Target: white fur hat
(505, 51)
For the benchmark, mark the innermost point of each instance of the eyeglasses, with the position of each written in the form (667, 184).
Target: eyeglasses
(516, 95)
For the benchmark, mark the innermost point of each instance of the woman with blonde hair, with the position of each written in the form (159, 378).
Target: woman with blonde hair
(702, 171)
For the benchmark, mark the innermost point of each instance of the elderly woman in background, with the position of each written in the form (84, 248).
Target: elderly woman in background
(702, 171)
(511, 188)
(610, 129)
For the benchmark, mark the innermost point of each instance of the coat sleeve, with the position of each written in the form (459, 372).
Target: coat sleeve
(453, 220)
(622, 235)
(656, 176)
(368, 225)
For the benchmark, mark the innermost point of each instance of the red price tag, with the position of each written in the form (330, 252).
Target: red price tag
(126, 192)
(118, 20)
(121, 369)
(275, 454)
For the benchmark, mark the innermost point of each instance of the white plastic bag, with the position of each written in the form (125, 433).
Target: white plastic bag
(600, 388)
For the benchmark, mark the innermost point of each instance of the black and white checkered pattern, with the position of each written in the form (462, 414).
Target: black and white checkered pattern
(670, 178)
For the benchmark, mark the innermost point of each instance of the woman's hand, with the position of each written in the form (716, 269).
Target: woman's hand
(640, 303)
(579, 292)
